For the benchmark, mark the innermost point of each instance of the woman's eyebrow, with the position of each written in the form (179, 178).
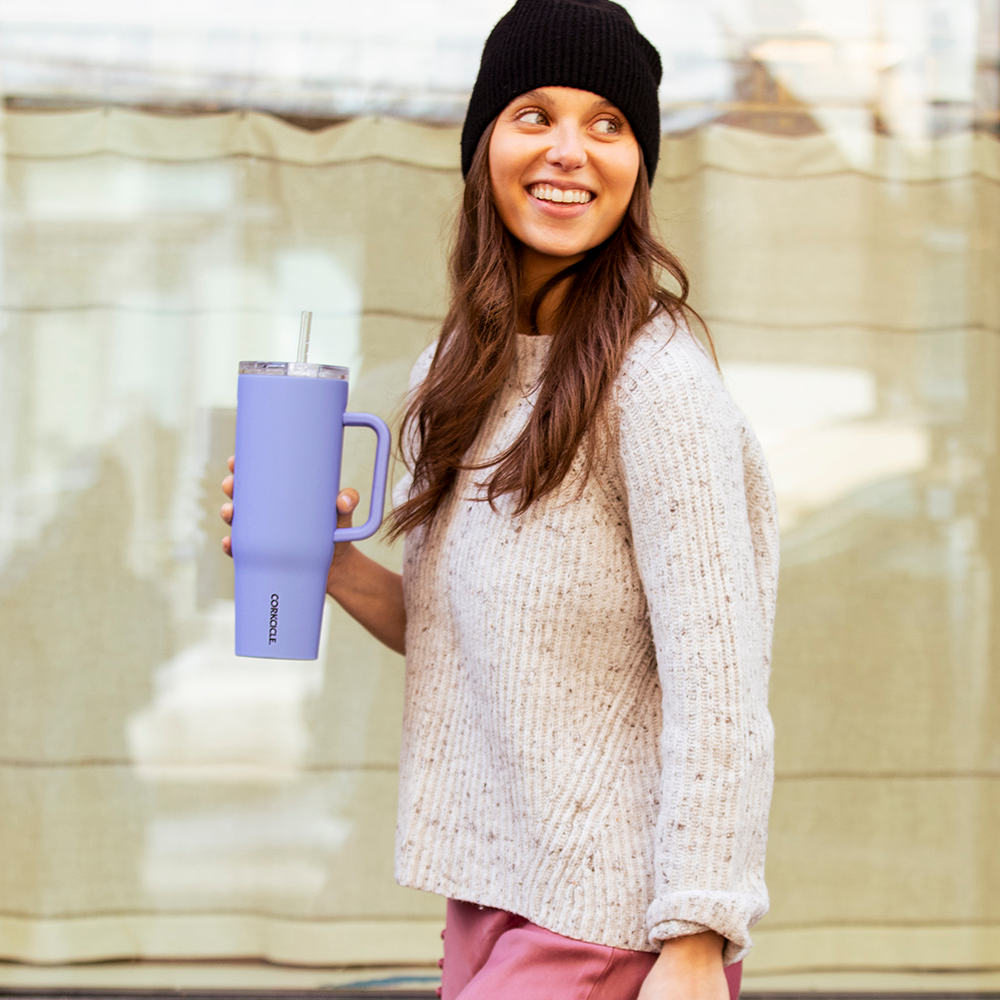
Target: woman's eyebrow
(537, 95)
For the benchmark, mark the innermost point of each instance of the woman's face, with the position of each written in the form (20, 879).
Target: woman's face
(563, 164)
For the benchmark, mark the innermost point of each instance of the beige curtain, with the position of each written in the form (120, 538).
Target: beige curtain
(163, 799)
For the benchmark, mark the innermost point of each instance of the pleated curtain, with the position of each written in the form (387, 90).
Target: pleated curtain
(164, 799)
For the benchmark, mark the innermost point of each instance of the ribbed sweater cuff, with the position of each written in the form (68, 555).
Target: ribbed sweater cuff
(727, 913)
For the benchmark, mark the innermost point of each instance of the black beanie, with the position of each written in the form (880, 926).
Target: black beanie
(587, 44)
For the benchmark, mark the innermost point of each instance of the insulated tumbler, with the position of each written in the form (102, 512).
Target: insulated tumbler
(290, 424)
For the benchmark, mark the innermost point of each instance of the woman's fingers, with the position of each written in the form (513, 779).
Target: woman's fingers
(227, 508)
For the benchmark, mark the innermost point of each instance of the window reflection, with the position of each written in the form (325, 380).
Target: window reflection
(840, 218)
(216, 717)
(819, 430)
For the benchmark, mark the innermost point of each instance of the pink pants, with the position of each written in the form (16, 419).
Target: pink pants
(495, 955)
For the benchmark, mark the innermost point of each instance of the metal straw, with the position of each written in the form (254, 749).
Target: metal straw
(304, 327)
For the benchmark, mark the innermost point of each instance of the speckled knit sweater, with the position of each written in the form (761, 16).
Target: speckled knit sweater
(586, 737)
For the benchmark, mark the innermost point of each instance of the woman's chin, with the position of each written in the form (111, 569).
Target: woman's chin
(553, 251)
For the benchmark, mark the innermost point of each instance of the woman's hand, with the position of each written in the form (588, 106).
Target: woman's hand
(689, 968)
(366, 590)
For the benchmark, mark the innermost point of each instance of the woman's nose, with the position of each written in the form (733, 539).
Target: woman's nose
(567, 149)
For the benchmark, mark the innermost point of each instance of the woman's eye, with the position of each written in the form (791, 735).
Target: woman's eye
(532, 118)
(608, 126)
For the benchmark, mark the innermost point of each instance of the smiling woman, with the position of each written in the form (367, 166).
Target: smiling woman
(588, 590)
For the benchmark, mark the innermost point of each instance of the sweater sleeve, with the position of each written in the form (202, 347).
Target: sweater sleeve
(704, 529)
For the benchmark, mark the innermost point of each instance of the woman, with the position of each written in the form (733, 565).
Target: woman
(590, 561)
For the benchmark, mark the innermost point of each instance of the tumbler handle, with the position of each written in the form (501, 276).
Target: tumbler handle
(379, 477)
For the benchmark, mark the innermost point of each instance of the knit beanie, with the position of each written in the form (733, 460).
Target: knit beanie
(587, 44)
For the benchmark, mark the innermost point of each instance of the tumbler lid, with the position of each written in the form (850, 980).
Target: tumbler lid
(300, 368)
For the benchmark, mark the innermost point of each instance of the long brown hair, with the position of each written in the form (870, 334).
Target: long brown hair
(614, 292)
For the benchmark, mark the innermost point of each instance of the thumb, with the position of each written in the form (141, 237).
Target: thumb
(347, 502)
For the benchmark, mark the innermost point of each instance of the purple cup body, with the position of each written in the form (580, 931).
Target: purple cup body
(289, 443)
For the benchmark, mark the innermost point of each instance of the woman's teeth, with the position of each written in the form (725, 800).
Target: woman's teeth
(545, 193)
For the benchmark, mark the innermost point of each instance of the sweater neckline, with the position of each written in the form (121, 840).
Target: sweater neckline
(533, 343)
(532, 352)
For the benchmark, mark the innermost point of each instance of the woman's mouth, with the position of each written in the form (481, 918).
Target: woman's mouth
(571, 196)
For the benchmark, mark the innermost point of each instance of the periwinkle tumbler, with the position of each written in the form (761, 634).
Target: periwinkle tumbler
(290, 420)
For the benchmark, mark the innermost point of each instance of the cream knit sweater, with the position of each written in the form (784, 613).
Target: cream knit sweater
(586, 738)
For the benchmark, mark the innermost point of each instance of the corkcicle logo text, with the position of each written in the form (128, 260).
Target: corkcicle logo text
(273, 631)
